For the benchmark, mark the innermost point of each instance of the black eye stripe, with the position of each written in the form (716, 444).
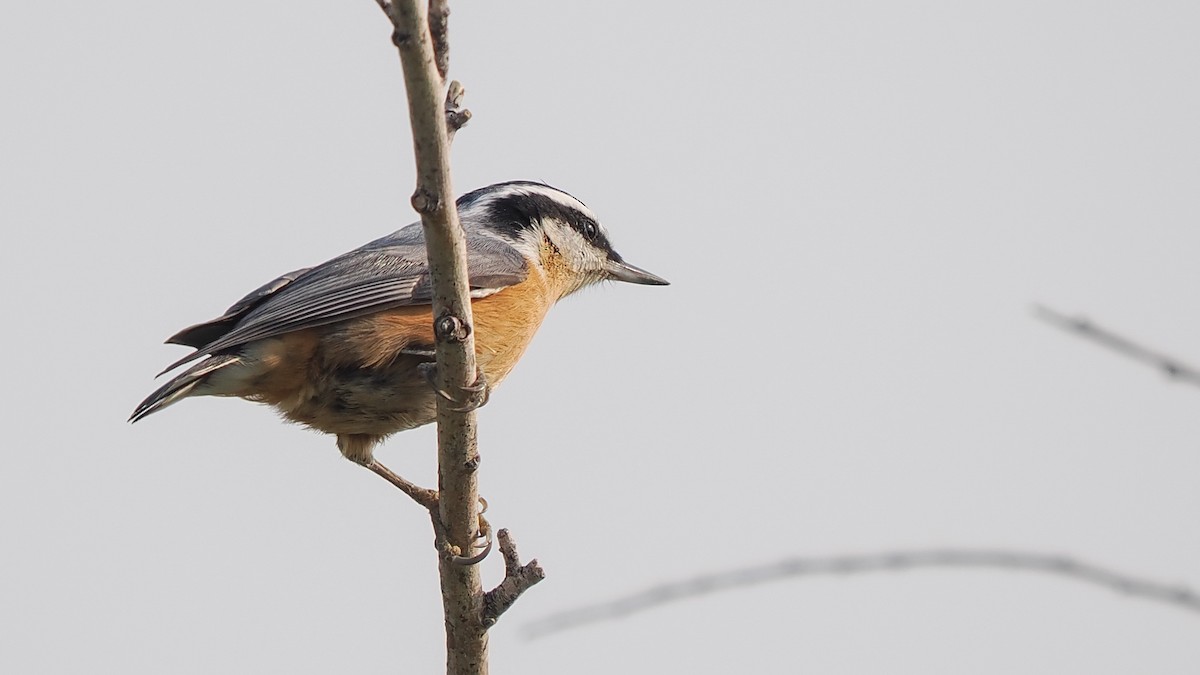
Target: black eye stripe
(522, 207)
(510, 213)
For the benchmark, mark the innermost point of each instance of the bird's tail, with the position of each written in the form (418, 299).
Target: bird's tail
(182, 385)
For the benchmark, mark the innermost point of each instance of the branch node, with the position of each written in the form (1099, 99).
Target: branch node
(456, 119)
(450, 328)
(425, 202)
(400, 38)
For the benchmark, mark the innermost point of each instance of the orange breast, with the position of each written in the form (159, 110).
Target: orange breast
(505, 323)
(354, 377)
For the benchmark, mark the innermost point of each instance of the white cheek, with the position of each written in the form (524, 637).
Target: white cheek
(530, 243)
(560, 236)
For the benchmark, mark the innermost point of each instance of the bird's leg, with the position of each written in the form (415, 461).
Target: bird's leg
(359, 448)
(474, 396)
(429, 499)
(421, 495)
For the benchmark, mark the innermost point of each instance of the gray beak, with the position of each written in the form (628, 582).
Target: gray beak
(623, 271)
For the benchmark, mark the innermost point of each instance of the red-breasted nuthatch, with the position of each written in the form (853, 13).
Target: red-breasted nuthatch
(341, 347)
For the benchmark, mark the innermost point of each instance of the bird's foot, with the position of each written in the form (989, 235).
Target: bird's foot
(473, 397)
(482, 543)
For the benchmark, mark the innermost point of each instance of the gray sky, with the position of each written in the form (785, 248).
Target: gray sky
(856, 202)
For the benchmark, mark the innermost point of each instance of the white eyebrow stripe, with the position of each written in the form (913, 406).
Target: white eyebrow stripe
(524, 189)
(562, 198)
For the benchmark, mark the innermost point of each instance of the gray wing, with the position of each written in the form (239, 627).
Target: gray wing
(203, 333)
(386, 273)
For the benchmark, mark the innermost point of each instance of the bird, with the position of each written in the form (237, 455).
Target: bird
(345, 347)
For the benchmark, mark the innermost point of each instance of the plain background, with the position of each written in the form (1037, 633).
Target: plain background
(857, 204)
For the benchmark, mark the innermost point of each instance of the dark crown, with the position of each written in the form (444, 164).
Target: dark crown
(517, 206)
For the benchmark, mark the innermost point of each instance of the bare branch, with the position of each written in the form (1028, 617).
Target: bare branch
(439, 25)
(518, 578)
(1179, 596)
(1171, 367)
(458, 456)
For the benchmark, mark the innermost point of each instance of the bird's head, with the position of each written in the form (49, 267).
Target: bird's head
(552, 229)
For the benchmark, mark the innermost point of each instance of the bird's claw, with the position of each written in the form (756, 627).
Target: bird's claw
(484, 533)
(475, 395)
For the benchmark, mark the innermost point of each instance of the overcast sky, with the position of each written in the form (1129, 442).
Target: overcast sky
(857, 204)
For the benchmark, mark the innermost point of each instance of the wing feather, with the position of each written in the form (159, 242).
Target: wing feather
(386, 273)
(203, 333)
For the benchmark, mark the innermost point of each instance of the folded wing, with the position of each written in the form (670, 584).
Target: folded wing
(386, 273)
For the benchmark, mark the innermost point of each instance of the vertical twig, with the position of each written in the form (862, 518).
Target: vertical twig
(458, 457)
(439, 30)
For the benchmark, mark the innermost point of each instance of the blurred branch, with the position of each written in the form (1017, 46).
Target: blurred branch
(1172, 367)
(1179, 596)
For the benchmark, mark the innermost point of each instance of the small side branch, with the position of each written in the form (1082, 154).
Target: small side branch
(1170, 366)
(456, 115)
(439, 30)
(1178, 596)
(518, 578)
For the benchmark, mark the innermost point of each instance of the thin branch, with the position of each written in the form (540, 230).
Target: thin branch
(518, 578)
(458, 456)
(1178, 596)
(1171, 367)
(439, 30)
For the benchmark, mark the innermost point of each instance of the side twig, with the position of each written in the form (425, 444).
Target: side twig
(439, 31)
(518, 578)
(1179, 596)
(456, 115)
(1170, 366)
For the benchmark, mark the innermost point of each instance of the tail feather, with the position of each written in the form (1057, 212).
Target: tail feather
(182, 385)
